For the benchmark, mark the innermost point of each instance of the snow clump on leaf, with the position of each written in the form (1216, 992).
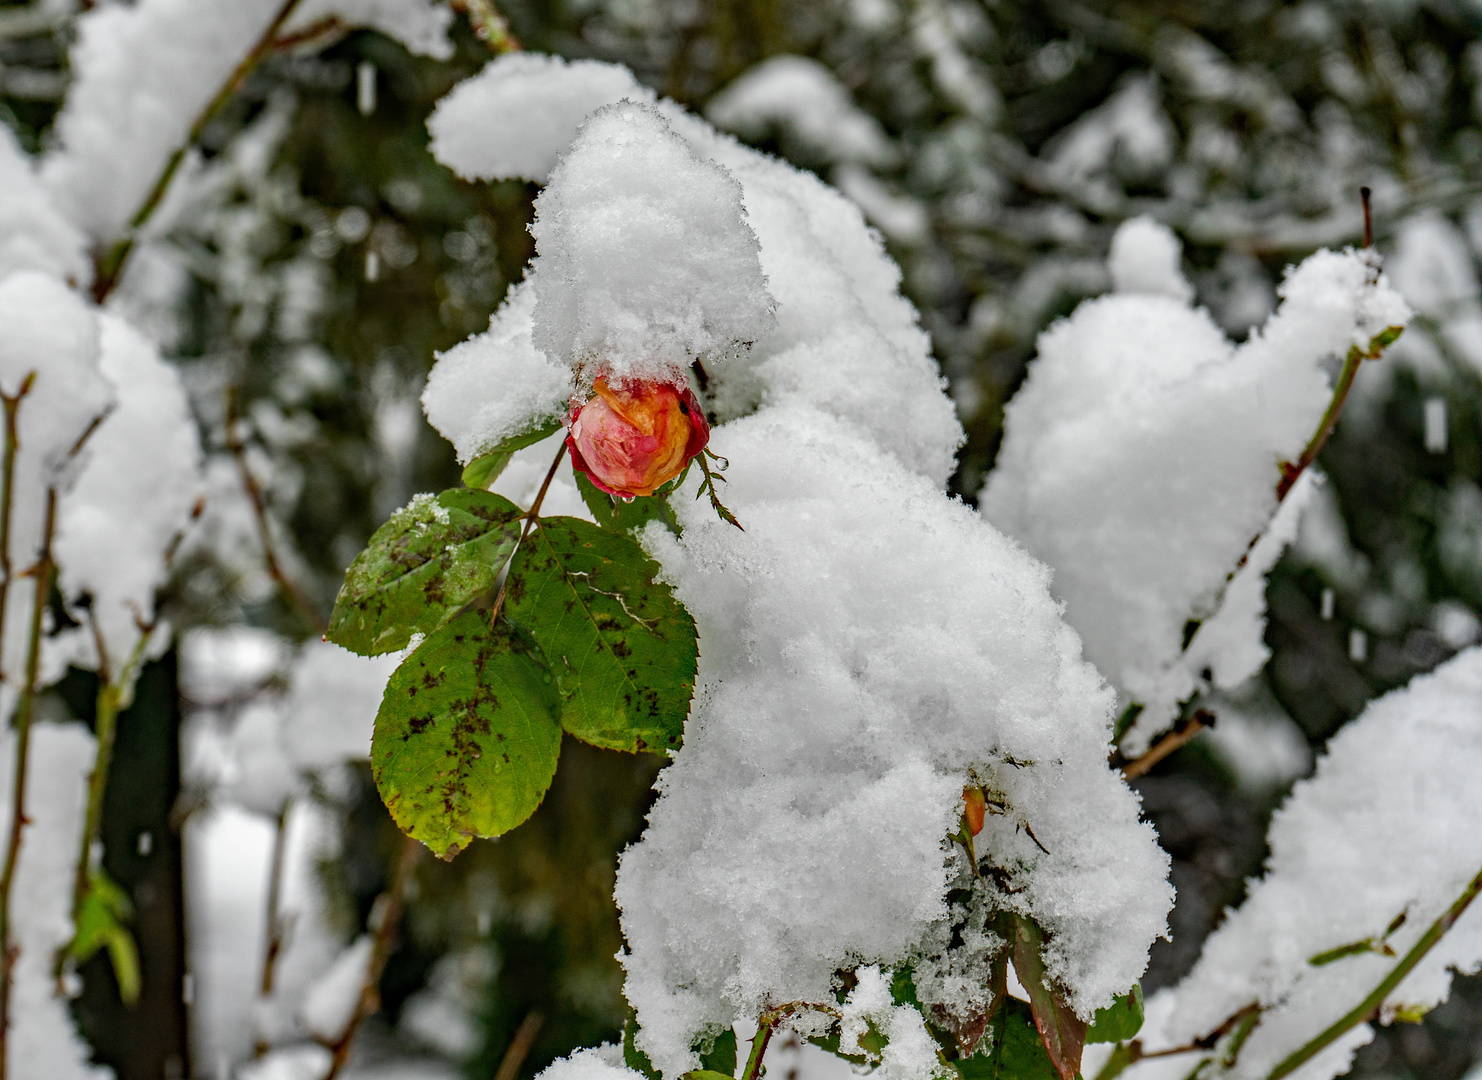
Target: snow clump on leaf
(867, 645)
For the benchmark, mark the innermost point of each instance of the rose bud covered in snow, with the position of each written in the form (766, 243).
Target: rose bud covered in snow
(631, 438)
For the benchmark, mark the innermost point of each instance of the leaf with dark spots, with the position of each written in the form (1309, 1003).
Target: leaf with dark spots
(479, 753)
(422, 567)
(590, 598)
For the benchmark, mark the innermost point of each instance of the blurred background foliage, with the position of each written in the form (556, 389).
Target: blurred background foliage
(330, 258)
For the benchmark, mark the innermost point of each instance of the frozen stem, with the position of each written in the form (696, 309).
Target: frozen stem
(1369, 1007)
(42, 572)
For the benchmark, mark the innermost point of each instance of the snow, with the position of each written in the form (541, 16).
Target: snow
(34, 235)
(804, 99)
(132, 500)
(143, 73)
(531, 387)
(867, 643)
(629, 193)
(1144, 258)
(333, 698)
(44, 1044)
(331, 1001)
(47, 329)
(1139, 461)
(513, 119)
(1388, 794)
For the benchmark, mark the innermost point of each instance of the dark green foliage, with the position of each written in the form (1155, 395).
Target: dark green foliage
(1120, 1020)
(625, 516)
(1013, 1050)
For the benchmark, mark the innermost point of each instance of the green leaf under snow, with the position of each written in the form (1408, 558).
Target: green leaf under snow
(466, 740)
(633, 1057)
(627, 517)
(421, 567)
(1063, 1033)
(707, 1074)
(1120, 1020)
(485, 469)
(621, 646)
(720, 1056)
(1013, 1049)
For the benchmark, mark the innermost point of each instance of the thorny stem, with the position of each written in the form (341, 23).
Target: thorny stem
(530, 516)
(111, 263)
(765, 1026)
(300, 603)
(274, 920)
(12, 404)
(759, 1041)
(390, 906)
(1369, 1007)
(42, 572)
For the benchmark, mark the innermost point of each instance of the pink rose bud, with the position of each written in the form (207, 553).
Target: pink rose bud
(633, 438)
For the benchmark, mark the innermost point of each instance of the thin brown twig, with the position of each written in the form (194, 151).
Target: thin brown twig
(12, 405)
(110, 264)
(391, 903)
(9, 951)
(530, 516)
(275, 935)
(301, 605)
(489, 25)
(1180, 736)
(519, 1046)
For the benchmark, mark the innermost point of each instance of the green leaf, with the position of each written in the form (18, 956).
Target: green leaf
(627, 517)
(622, 648)
(1063, 1033)
(105, 909)
(707, 1074)
(720, 1057)
(485, 469)
(1120, 1020)
(421, 567)
(1014, 1049)
(466, 740)
(633, 1057)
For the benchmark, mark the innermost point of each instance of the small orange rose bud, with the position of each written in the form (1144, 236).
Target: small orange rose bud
(975, 805)
(632, 438)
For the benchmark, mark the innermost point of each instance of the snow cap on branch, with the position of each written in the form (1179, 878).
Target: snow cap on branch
(142, 74)
(513, 119)
(1372, 836)
(133, 497)
(34, 234)
(645, 260)
(1141, 457)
